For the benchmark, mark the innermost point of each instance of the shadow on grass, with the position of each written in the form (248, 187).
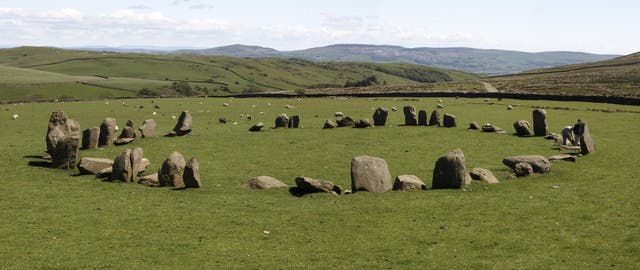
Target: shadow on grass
(41, 164)
(296, 192)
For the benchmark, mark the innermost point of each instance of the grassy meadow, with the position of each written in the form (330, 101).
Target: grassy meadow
(583, 215)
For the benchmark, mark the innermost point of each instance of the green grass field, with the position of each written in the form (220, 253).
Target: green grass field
(53, 220)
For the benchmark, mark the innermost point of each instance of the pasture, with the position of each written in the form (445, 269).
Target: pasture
(583, 215)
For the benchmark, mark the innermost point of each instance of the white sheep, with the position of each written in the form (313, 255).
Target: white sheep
(116, 128)
(225, 104)
(289, 107)
(154, 113)
(14, 116)
(509, 107)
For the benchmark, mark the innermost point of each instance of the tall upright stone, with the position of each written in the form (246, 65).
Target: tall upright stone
(294, 121)
(540, 122)
(450, 171)
(136, 163)
(422, 118)
(107, 131)
(192, 174)
(449, 120)
(148, 128)
(370, 174)
(184, 125)
(172, 171)
(434, 120)
(63, 140)
(122, 169)
(583, 135)
(90, 138)
(380, 116)
(410, 117)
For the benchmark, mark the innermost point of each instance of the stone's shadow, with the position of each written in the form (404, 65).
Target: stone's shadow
(34, 156)
(181, 188)
(41, 164)
(296, 192)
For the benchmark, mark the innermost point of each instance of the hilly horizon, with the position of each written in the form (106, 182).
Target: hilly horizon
(481, 61)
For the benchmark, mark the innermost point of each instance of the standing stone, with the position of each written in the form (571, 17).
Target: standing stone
(450, 171)
(410, 117)
(582, 133)
(380, 116)
(282, 121)
(90, 138)
(294, 121)
(370, 174)
(449, 120)
(329, 124)
(148, 128)
(121, 169)
(107, 131)
(137, 166)
(129, 124)
(539, 164)
(184, 125)
(172, 171)
(257, 127)
(94, 165)
(474, 126)
(63, 140)
(522, 127)
(434, 120)
(422, 118)
(539, 122)
(192, 174)
(128, 132)
(408, 182)
(346, 122)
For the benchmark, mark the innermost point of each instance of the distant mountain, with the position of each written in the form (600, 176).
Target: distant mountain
(482, 61)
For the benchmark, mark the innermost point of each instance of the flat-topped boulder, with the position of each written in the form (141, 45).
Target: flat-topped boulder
(449, 120)
(90, 138)
(89, 165)
(539, 164)
(408, 183)
(263, 182)
(346, 122)
(306, 185)
(370, 174)
(148, 128)
(450, 171)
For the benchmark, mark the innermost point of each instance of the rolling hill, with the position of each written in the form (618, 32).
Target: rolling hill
(468, 59)
(96, 74)
(618, 77)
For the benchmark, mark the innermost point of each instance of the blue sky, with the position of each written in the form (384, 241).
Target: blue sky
(591, 26)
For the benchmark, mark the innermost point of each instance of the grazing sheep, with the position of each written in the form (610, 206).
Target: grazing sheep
(249, 117)
(261, 113)
(116, 128)
(268, 104)
(440, 106)
(173, 117)
(225, 104)
(241, 116)
(339, 114)
(14, 116)
(253, 106)
(154, 113)
(156, 107)
(509, 107)
(288, 107)
(394, 109)
(141, 107)
(439, 100)
(235, 122)
(567, 135)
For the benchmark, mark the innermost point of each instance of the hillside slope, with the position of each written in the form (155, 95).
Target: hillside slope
(619, 77)
(214, 75)
(467, 59)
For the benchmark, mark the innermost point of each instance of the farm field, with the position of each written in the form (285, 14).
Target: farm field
(582, 215)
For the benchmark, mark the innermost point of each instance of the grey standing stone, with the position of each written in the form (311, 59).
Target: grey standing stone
(434, 120)
(63, 140)
(282, 121)
(380, 116)
(148, 128)
(370, 174)
(581, 130)
(294, 121)
(121, 169)
(130, 123)
(422, 118)
(408, 182)
(192, 174)
(329, 124)
(450, 171)
(539, 164)
(307, 185)
(263, 182)
(137, 166)
(184, 125)
(449, 120)
(473, 126)
(410, 117)
(90, 138)
(540, 122)
(172, 171)
(127, 132)
(363, 123)
(522, 127)
(107, 131)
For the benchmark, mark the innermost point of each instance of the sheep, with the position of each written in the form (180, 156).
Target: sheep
(339, 114)
(225, 104)
(154, 113)
(241, 116)
(509, 107)
(288, 107)
(394, 109)
(14, 116)
(440, 106)
(116, 128)
(156, 107)
(249, 117)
